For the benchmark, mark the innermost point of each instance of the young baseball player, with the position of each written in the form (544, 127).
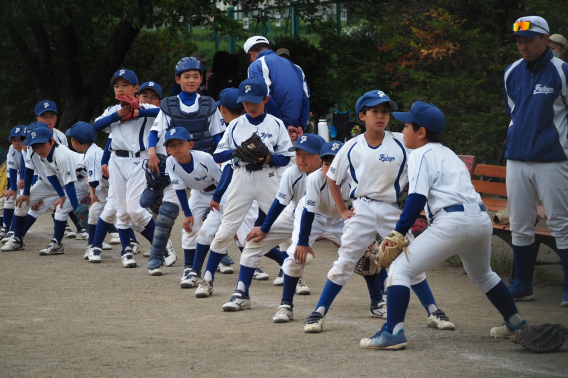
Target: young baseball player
(129, 149)
(279, 223)
(376, 164)
(13, 163)
(258, 181)
(459, 224)
(63, 167)
(150, 92)
(197, 114)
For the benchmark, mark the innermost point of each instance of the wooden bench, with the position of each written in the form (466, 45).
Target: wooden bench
(497, 190)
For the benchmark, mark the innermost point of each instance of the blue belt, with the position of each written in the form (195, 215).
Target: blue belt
(456, 208)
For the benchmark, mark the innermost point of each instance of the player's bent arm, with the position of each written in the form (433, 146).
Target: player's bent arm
(279, 160)
(153, 140)
(22, 166)
(149, 113)
(306, 228)
(56, 185)
(72, 195)
(335, 191)
(223, 184)
(224, 156)
(182, 197)
(28, 178)
(271, 216)
(104, 122)
(13, 179)
(412, 209)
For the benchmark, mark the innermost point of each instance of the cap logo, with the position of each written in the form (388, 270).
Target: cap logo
(121, 72)
(381, 93)
(172, 131)
(33, 134)
(45, 104)
(247, 88)
(151, 84)
(17, 129)
(303, 139)
(335, 146)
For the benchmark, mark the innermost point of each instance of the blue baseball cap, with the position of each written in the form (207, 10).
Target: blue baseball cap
(311, 143)
(374, 98)
(28, 129)
(330, 149)
(39, 134)
(130, 76)
(228, 98)
(177, 133)
(426, 115)
(82, 132)
(45, 106)
(17, 133)
(530, 26)
(153, 86)
(252, 90)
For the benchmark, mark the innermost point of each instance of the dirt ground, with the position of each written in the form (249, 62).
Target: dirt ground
(63, 316)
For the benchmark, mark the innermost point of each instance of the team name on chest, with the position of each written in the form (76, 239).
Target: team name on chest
(200, 178)
(264, 135)
(385, 157)
(542, 89)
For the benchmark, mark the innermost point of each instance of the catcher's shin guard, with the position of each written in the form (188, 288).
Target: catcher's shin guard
(164, 223)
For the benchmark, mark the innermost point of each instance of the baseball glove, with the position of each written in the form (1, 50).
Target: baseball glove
(252, 149)
(367, 265)
(128, 100)
(542, 338)
(501, 217)
(82, 213)
(386, 254)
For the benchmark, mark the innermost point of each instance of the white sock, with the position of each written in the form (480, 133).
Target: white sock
(207, 276)
(321, 310)
(397, 328)
(432, 308)
(515, 319)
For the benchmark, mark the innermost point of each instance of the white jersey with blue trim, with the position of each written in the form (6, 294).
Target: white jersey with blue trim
(318, 197)
(60, 137)
(437, 173)
(292, 188)
(216, 122)
(206, 173)
(66, 164)
(378, 173)
(92, 160)
(33, 162)
(13, 159)
(271, 130)
(131, 135)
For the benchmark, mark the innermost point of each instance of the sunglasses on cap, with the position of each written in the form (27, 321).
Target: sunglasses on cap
(526, 25)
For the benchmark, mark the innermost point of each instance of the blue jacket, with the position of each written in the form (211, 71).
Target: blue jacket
(536, 103)
(287, 87)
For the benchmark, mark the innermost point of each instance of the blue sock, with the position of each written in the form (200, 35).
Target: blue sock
(133, 235)
(59, 230)
(502, 300)
(189, 255)
(245, 276)
(289, 288)
(374, 287)
(397, 299)
(92, 230)
(213, 262)
(75, 221)
(383, 276)
(563, 253)
(124, 238)
(276, 255)
(30, 220)
(424, 293)
(148, 232)
(112, 228)
(19, 223)
(100, 233)
(523, 261)
(330, 291)
(2, 221)
(8, 215)
(200, 254)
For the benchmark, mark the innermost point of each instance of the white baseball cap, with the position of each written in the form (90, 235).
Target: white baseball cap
(558, 38)
(530, 26)
(253, 41)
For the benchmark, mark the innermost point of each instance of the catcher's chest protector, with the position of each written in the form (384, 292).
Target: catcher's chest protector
(196, 123)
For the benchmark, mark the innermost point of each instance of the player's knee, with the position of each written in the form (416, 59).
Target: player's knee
(486, 282)
(522, 239)
(167, 215)
(292, 267)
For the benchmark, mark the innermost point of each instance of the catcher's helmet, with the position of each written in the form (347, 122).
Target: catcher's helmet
(187, 64)
(156, 182)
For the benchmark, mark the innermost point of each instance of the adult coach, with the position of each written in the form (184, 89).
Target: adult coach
(287, 87)
(536, 149)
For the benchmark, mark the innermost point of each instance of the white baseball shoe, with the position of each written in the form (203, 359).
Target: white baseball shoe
(314, 323)
(379, 310)
(106, 247)
(8, 236)
(86, 255)
(13, 244)
(302, 288)
(114, 238)
(147, 254)
(279, 280)
(95, 255)
(54, 248)
(170, 255)
(189, 279)
(128, 259)
(260, 275)
(3, 233)
(225, 269)
(506, 330)
(284, 314)
(438, 319)
(205, 289)
(135, 247)
(69, 233)
(82, 235)
(239, 301)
